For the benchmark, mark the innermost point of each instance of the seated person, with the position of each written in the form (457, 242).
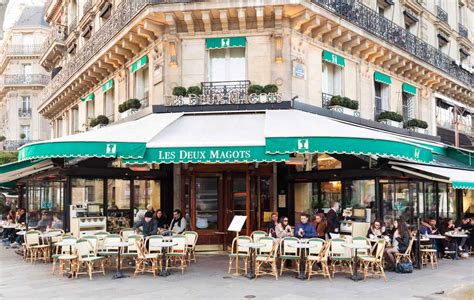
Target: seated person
(271, 226)
(161, 221)
(178, 224)
(305, 229)
(283, 229)
(448, 243)
(56, 223)
(400, 242)
(43, 223)
(465, 224)
(376, 230)
(320, 225)
(148, 224)
(428, 227)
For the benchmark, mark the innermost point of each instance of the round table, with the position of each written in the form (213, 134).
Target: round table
(119, 245)
(164, 246)
(355, 273)
(302, 245)
(252, 246)
(21, 232)
(49, 235)
(456, 236)
(67, 243)
(10, 226)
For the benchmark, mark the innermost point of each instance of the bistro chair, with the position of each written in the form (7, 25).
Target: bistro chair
(361, 240)
(144, 261)
(288, 253)
(153, 248)
(87, 259)
(126, 232)
(57, 238)
(108, 251)
(191, 240)
(267, 255)
(35, 249)
(257, 235)
(340, 257)
(94, 240)
(131, 252)
(321, 257)
(60, 251)
(177, 252)
(240, 253)
(429, 255)
(374, 264)
(100, 236)
(405, 256)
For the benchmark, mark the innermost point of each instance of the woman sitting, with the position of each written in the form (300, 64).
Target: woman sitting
(320, 225)
(400, 241)
(376, 230)
(283, 229)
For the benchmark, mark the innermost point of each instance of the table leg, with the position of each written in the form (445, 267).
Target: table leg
(251, 273)
(355, 273)
(119, 273)
(456, 248)
(164, 272)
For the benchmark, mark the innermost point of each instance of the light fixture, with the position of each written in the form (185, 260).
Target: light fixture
(278, 48)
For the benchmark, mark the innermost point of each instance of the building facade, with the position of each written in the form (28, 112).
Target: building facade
(390, 66)
(22, 79)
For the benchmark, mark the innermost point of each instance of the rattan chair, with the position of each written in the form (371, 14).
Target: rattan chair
(59, 251)
(429, 255)
(405, 256)
(340, 257)
(144, 261)
(177, 253)
(319, 254)
(267, 255)
(126, 232)
(257, 235)
(191, 240)
(288, 253)
(240, 253)
(35, 249)
(87, 259)
(373, 263)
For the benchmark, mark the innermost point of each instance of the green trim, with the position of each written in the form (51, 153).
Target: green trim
(409, 89)
(343, 145)
(108, 85)
(226, 42)
(334, 58)
(465, 157)
(82, 149)
(237, 154)
(89, 97)
(14, 167)
(463, 185)
(138, 64)
(383, 78)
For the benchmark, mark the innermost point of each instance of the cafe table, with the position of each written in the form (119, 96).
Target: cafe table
(252, 246)
(456, 236)
(119, 245)
(164, 246)
(355, 273)
(302, 245)
(49, 236)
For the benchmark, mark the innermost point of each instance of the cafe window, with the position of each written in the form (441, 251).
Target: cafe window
(118, 211)
(332, 79)
(330, 191)
(46, 204)
(360, 193)
(146, 192)
(429, 200)
(443, 200)
(227, 64)
(467, 202)
(207, 203)
(87, 191)
(452, 203)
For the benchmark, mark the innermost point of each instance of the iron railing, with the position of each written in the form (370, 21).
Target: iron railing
(462, 31)
(13, 145)
(21, 49)
(24, 112)
(57, 34)
(366, 18)
(25, 79)
(326, 100)
(441, 14)
(223, 92)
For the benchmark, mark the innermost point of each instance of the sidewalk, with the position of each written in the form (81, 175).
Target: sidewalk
(208, 279)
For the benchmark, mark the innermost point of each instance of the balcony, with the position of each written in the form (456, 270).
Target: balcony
(441, 14)
(25, 79)
(27, 50)
(24, 112)
(462, 31)
(326, 100)
(381, 27)
(53, 44)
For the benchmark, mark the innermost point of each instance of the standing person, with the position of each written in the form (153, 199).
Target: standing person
(178, 224)
(283, 229)
(400, 241)
(161, 220)
(305, 229)
(148, 224)
(271, 226)
(320, 225)
(334, 224)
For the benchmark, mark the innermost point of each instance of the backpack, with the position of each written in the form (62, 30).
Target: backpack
(404, 267)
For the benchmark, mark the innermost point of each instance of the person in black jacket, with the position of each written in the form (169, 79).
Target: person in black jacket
(400, 242)
(333, 223)
(148, 224)
(161, 220)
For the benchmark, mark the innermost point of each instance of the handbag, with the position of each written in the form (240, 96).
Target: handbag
(404, 267)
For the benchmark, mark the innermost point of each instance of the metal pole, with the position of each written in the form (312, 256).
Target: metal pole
(418, 253)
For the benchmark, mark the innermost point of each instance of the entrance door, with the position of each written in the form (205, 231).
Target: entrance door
(236, 198)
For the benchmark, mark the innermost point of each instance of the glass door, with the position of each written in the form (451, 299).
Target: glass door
(207, 203)
(236, 202)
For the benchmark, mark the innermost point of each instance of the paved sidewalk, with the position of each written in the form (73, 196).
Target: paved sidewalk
(208, 279)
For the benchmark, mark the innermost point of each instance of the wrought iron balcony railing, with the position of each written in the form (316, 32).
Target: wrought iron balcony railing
(13, 145)
(57, 34)
(24, 112)
(441, 14)
(224, 92)
(381, 27)
(326, 100)
(25, 79)
(463, 31)
(20, 49)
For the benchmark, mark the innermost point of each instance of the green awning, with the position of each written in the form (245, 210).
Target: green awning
(89, 97)
(137, 65)
(334, 58)
(408, 88)
(108, 85)
(293, 131)
(463, 185)
(226, 42)
(383, 78)
(15, 170)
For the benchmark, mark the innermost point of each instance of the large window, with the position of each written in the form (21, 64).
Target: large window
(207, 203)
(468, 202)
(26, 104)
(332, 79)
(227, 64)
(409, 106)
(118, 212)
(75, 120)
(382, 100)
(26, 131)
(90, 107)
(46, 204)
(87, 191)
(146, 192)
(109, 104)
(141, 83)
(360, 193)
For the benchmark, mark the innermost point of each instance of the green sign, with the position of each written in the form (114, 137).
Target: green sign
(228, 42)
(334, 58)
(383, 78)
(139, 64)
(108, 85)
(409, 89)
(89, 97)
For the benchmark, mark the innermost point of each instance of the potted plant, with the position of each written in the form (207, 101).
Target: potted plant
(344, 105)
(22, 136)
(129, 107)
(271, 91)
(99, 122)
(254, 92)
(391, 118)
(417, 125)
(194, 93)
(2, 138)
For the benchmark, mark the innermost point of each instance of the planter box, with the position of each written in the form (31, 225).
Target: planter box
(418, 129)
(345, 110)
(392, 123)
(98, 126)
(128, 113)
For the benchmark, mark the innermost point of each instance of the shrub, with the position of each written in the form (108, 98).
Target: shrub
(122, 107)
(336, 101)
(2, 138)
(255, 89)
(270, 88)
(346, 102)
(179, 91)
(133, 103)
(101, 119)
(390, 115)
(354, 104)
(22, 136)
(195, 90)
(417, 123)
